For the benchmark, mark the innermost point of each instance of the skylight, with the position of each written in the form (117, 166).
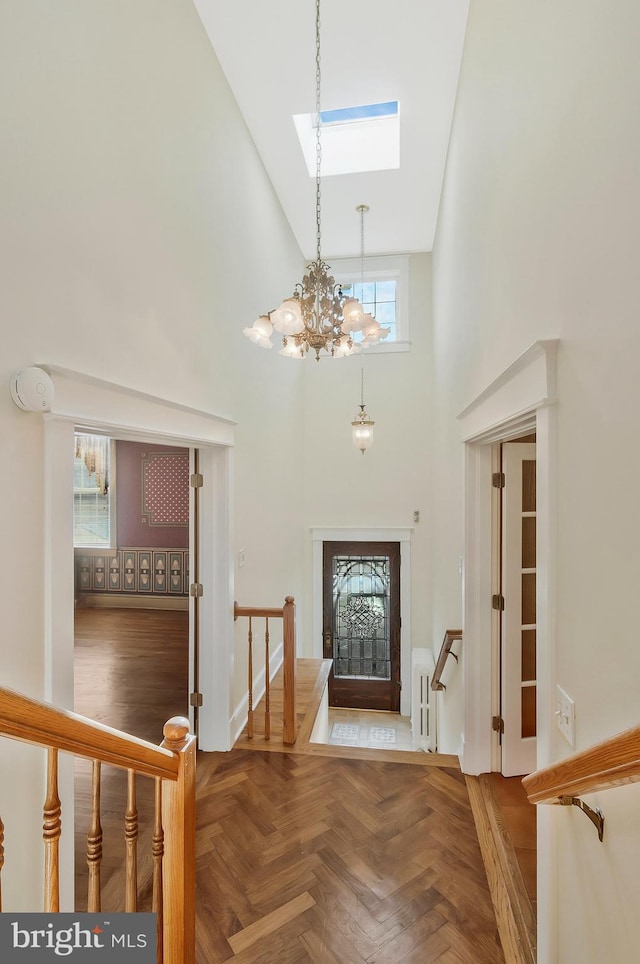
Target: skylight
(345, 115)
(354, 139)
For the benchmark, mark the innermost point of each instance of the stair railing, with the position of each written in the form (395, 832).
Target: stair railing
(287, 614)
(172, 765)
(450, 636)
(610, 763)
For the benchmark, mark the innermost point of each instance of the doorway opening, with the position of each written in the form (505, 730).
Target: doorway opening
(91, 404)
(132, 562)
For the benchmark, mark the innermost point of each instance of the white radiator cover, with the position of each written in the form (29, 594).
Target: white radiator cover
(423, 701)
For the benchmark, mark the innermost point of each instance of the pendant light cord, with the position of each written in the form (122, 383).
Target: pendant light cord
(362, 208)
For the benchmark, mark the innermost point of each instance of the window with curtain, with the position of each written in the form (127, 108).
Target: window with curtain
(93, 491)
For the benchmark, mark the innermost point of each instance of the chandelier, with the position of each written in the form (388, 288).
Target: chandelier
(317, 317)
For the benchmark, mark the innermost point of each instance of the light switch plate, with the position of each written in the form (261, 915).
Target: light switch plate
(566, 716)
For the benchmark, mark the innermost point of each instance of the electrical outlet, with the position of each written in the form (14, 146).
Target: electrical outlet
(566, 716)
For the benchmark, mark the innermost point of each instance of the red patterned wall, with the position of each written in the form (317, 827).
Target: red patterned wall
(152, 495)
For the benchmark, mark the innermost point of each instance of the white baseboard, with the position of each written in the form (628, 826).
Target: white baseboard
(240, 714)
(122, 601)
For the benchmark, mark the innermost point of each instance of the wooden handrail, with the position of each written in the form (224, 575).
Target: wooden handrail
(173, 845)
(33, 721)
(257, 611)
(287, 614)
(611, 763)
(450, 635)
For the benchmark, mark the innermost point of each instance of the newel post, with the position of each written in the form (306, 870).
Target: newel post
(179, 823)
(289, 733)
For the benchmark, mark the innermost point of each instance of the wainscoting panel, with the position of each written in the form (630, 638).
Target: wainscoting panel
(134, 571)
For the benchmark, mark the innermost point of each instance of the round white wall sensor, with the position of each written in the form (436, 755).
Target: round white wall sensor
(32, 389)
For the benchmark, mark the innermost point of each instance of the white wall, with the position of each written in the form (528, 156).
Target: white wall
(537, 238)
(138, 235)
(383, 487)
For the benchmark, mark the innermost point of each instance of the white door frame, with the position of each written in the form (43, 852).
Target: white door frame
(81, 401)
(403, 536)
(520, 400)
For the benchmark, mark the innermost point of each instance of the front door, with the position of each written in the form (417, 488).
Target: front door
(361, 616)
(518, 631)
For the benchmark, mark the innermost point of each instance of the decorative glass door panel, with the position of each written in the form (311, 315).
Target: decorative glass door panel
(362, 624)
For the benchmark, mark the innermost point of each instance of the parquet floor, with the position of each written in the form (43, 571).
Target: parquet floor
(304, 858)
(333, 856)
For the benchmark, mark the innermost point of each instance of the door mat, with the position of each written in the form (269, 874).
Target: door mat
(382, 737)
(344, 734)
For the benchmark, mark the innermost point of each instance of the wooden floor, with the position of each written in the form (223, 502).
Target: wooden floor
(130, 672)
(506, 825)
(328, 855)
(520, 822)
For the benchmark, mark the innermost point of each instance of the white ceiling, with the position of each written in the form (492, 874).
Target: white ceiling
(372, 51)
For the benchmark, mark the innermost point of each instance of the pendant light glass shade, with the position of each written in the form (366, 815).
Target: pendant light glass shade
(346, 347)
(260, 332)
(362, 430)
(287, 319)
(353, 314)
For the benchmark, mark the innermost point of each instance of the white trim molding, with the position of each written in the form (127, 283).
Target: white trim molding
(501, 409)
(403, 536)
(121, 412)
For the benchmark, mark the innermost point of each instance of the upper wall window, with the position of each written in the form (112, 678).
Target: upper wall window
(382, 287)
(93, 492)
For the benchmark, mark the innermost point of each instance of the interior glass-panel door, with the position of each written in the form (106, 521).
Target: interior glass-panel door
(362, 623)
(519, 615)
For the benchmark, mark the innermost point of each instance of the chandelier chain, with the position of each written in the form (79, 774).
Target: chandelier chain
(318, 141)
(362, 210)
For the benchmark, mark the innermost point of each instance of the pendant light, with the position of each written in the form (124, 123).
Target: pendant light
(362, 425)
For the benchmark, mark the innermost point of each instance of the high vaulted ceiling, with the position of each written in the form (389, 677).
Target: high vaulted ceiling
(372, 51)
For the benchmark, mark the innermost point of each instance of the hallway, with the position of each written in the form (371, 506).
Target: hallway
(301, 856)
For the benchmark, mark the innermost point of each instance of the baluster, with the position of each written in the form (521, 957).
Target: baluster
(51, 830)
(1, 859)
(290, 725)
(250, 711)
(157, 852)
(131, 843)
(94, 843)
(267, 710)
